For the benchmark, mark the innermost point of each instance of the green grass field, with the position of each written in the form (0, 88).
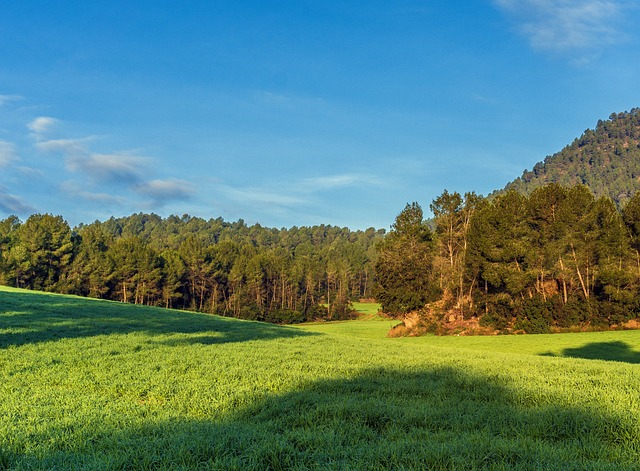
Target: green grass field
(87, 384)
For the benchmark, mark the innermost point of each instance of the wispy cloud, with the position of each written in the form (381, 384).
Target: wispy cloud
(12, 204)
(331, 182)
(303, 192)
(4, 99)
(8, 153)
(113, 168)
(118, 167)
(41, 126)
(66, 146)
(289, 101)
(101, 172)
(307, 199)
(567, 26)
(104, 179)
(75, 190)
(483, 99)
(162, 191)
(30, 172)
(261, 196)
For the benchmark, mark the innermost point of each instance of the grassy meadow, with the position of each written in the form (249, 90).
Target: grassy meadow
(88, 384)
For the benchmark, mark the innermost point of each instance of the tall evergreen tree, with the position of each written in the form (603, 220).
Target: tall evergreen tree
(43, 250)
(404, 269)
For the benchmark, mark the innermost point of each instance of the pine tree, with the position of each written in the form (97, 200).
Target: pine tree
(404, 269)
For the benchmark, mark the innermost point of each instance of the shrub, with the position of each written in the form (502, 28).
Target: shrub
(285, 316)
(534, 316)
(500, 314)
(574, 312)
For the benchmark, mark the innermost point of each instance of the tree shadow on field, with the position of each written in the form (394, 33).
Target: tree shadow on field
(612, 351)
(441, 418)
(29, 317)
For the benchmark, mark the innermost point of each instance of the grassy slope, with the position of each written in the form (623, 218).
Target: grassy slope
(94, 385)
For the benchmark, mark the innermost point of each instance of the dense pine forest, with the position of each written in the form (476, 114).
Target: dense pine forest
(557, 259)
(250, 272)
(557, 249)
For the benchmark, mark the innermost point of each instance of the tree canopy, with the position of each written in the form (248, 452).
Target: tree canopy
(228, 268)
(404, 267)
(558, 258)
(605, 159)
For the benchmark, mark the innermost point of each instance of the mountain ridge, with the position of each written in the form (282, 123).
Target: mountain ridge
(605, 159)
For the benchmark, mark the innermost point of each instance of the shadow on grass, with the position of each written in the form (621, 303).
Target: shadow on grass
(615, 350)
(442, 418)
(30, 317)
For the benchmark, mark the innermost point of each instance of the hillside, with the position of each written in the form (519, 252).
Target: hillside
(605, 159)
(91, 384)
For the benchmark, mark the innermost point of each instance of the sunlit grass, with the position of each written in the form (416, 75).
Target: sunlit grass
(93, 385)
(617, 345)
(367, 309)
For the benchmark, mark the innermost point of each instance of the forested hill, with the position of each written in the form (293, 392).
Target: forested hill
(606, 160)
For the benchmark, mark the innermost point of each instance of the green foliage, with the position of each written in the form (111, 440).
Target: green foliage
(556, 259)
(575, 311)
(453, 216)
(405, 264)
(499, 314)
(40, 248)
(631, 217)
(410, 224)
(88, 384)
(561, 257)
(249, 272)
(605, 159)
(535, 315)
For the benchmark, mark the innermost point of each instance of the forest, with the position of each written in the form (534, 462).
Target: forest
(557, 259)
(232, 269)
(558, 248)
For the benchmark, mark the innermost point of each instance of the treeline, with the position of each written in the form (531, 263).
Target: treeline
(232, 269)
(558, 258)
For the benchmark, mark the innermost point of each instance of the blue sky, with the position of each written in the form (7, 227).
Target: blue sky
(296, 112)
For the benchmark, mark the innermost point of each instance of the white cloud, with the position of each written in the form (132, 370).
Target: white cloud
(107, 169)
(96, 178)
(566, 26)
(30, 172)
(69, 147)
(162, 191)
(290, 101)
(114, 168)
(41, 126)
(7, 153)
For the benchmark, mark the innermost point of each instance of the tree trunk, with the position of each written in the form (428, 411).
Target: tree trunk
(564, 282)
(584, 288)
